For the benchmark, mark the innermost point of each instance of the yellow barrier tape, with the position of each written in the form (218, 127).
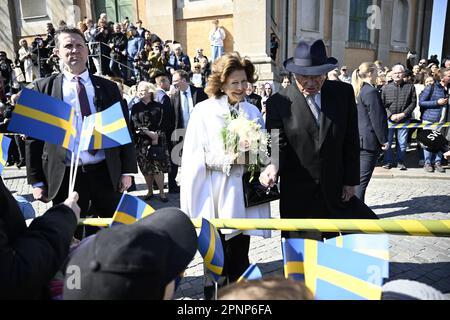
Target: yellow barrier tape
(433, 228)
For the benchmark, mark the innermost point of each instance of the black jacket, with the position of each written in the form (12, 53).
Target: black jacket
(30, 257)
(255, 99)
(399, 98)
(316, 163)
(198, 95)
(372, 119)
(46, 161)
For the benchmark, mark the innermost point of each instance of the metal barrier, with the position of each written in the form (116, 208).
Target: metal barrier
(430, 228)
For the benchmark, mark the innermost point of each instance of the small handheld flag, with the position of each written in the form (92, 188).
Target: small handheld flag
(130, 209)
(293, 260)
(252, 273)
(375, 245)
(338, 274)
(210, 247)
(4, 146)
(110, 129)
(45, 118)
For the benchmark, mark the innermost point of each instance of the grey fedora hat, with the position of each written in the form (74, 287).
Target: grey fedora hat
(310, 59)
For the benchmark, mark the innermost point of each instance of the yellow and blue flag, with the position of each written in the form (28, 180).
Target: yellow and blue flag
(375, 245)
(4, 146)
(130, 210)
(333, 273)
(110, 129)
(293, 260)
(210, 247)
(45, 118)
(252, 273)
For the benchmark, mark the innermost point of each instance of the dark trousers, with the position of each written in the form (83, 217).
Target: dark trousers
(235, 263)
(98, 197)
(172, 185)
(368, 160)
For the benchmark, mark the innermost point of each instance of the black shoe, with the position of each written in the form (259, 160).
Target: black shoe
(401, 166)
(439, 168)
(20, 164)
(163, 199)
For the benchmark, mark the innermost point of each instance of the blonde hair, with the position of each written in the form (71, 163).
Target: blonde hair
(223, 67)
(271, 288)
(358, 76)
(149, 87)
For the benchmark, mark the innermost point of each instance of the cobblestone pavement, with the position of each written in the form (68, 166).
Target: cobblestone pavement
(425, 259)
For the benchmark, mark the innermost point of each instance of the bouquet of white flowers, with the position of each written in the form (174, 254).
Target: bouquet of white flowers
(243, 142)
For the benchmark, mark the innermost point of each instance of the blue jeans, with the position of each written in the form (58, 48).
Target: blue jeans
(216, 52)
(402, 137)
(428, 156)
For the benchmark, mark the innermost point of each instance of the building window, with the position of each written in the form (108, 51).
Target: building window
(400, 22)
(32, 9)
(310, 15)
(358, 31)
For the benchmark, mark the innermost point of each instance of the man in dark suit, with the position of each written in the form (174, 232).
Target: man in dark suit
(318, 142)
(253, 98)
(30, 257)
(183, 102)
(102, 175)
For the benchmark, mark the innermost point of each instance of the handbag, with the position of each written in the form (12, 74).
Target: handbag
(155, 153)
(255, 193)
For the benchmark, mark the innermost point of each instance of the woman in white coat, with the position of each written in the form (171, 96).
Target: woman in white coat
(207, 192)
(26, 56)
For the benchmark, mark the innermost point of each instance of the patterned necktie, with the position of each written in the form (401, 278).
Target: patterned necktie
(185, 109)
(314, 108)
(234, 110)
(84, 103)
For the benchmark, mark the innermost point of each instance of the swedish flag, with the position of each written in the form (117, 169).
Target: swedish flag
(252, 273)
(210, 247)
(293, 260)
(110, 129)
(375, 245)
(336, 273)
(45, 118)
(4, 146)
(130, 209)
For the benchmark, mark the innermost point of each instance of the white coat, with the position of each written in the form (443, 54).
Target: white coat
(205, 193)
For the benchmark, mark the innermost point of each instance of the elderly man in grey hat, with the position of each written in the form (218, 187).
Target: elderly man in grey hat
(318, 142)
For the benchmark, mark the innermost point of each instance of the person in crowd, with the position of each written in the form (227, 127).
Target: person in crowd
(333, 75)
(102, 37)
(26, 56)
(48, 165)
(6, 72)
(318, 140)
(268, 92)
(381, 81)
(206, 191)
(147, 128)
(415, 70)
(286, 82)
(199, 55)
(134, 46)
(399, 99)
(157, 59)
(372, 123)
(344, 76)
(205, 69)
(178, 60)
(125, 24)
(252, 97)
(31, 256)
(118, 44)
(140, 30)
(196, 76)
(272, 288)
(183, 103)
(151, 38)
(138, 261)
(82, 26)
(162, 84)
(432, 101)
(408, 76)
(274, 45)
(423, 63)
(216, 36)
(53, 62)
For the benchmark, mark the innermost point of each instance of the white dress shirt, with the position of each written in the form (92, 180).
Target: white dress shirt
(70, 96)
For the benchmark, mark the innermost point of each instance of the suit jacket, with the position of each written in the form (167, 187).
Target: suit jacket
(255, 99)
(372, 119)
(46, 161)
(315, 164)
(198, 95)
(31, 256)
